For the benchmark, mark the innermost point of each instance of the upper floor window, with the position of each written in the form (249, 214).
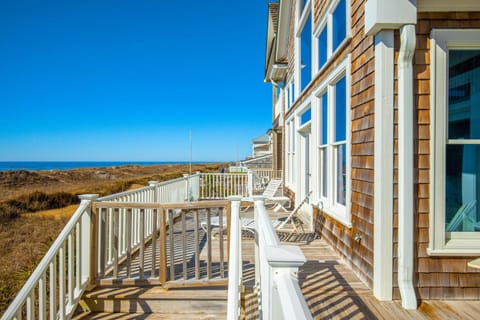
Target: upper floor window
(331, 32)
(455, 176)
(306, 117)
(303, 45)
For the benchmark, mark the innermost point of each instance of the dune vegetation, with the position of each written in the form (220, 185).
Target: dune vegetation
(36, 205)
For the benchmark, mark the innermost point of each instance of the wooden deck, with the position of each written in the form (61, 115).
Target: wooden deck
(332, 291)
(330, 288)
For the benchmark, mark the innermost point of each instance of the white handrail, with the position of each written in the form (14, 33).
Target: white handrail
(234, 261)
(80, 220)
(276, 268)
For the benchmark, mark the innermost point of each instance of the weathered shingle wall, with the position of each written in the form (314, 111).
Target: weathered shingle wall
(359, 255)
(435, 277)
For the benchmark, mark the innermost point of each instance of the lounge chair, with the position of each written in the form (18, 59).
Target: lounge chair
(293, 218)
(277, 202)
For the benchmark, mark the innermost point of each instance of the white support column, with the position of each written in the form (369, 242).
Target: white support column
(405, 167)
(383, 186)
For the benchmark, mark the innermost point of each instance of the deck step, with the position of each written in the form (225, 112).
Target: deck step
(152, 316)
(198, 303)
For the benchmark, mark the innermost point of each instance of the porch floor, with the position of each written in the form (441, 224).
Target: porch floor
(332, 291)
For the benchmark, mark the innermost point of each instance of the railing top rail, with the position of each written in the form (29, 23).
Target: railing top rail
(45, 262)
(179, 205)
(224, 174)
(124, 193)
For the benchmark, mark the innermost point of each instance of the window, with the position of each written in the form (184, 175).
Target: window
(306, 117)
(331, 32)
(455, 184)
(290, 159)
(290, 94)
(306, 54)
(304, 45)
(333, 150)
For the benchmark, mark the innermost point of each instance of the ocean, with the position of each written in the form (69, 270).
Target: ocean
(68, 165)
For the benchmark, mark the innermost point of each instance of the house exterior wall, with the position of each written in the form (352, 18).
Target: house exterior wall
(359, 255)
(435, 277)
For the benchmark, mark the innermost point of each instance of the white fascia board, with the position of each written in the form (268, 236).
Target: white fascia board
(388, 14)
(447, 5)
(278, 72)
(283, 30)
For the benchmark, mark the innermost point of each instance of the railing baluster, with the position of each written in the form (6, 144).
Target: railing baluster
(78, 259)
(220, 233)
(61, 278)
(53, 289)
(70, 270)
(31, 306)
(110, 235)
(163, 248)
(209, 246)
(42, 297)
(103, 240)
(141, 264)
(128, 241)
(115, 243)
(154, 241)
(184, 245)
(172, 245)
(197, 244)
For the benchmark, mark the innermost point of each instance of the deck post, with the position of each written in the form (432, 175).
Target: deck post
(153, 184)
(89, 244)
(234, 260)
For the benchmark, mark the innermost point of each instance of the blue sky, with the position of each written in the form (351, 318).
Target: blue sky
(127, 80)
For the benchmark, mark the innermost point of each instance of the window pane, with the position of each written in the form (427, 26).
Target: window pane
(341, 173)
(306, 54)
(324, 129)
(339, 24)
(306, 117)
(322, 48)
(462, 188)
(464, 94)
(323, 170)
(341, 110)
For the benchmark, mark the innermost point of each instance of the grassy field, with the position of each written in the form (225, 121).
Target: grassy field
(35, 206)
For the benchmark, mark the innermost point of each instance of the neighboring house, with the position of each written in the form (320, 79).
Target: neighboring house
(261, 145)
(377, 105)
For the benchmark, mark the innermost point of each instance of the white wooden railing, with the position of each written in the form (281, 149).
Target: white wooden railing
(56, 285)
(177, 190)
(223, 185)
(276, 269)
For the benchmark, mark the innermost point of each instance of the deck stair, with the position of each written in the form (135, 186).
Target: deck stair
(154, 302)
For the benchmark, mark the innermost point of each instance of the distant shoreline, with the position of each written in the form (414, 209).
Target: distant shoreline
(71, 165)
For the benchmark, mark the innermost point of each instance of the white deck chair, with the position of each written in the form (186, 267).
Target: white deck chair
(270, 195)
(293, 218)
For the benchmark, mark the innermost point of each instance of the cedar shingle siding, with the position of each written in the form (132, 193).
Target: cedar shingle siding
(359, 255)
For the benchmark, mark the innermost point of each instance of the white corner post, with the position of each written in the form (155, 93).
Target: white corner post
(234, 261)
(383, 164)
(186, 177)
(250, 183)
(380, 17)
(405, 167)
(153, 184)
(88, 221)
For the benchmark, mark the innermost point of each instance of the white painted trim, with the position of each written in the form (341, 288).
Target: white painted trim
(447, 5)
(405, 167)
(383, 164)
(460, 243)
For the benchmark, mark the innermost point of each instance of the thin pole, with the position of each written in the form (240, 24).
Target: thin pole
(190, 169)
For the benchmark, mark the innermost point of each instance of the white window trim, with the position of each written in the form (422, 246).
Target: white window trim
(329, 205)
(301, 19)
(291, 148)
(460, 243)
(327, 22)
